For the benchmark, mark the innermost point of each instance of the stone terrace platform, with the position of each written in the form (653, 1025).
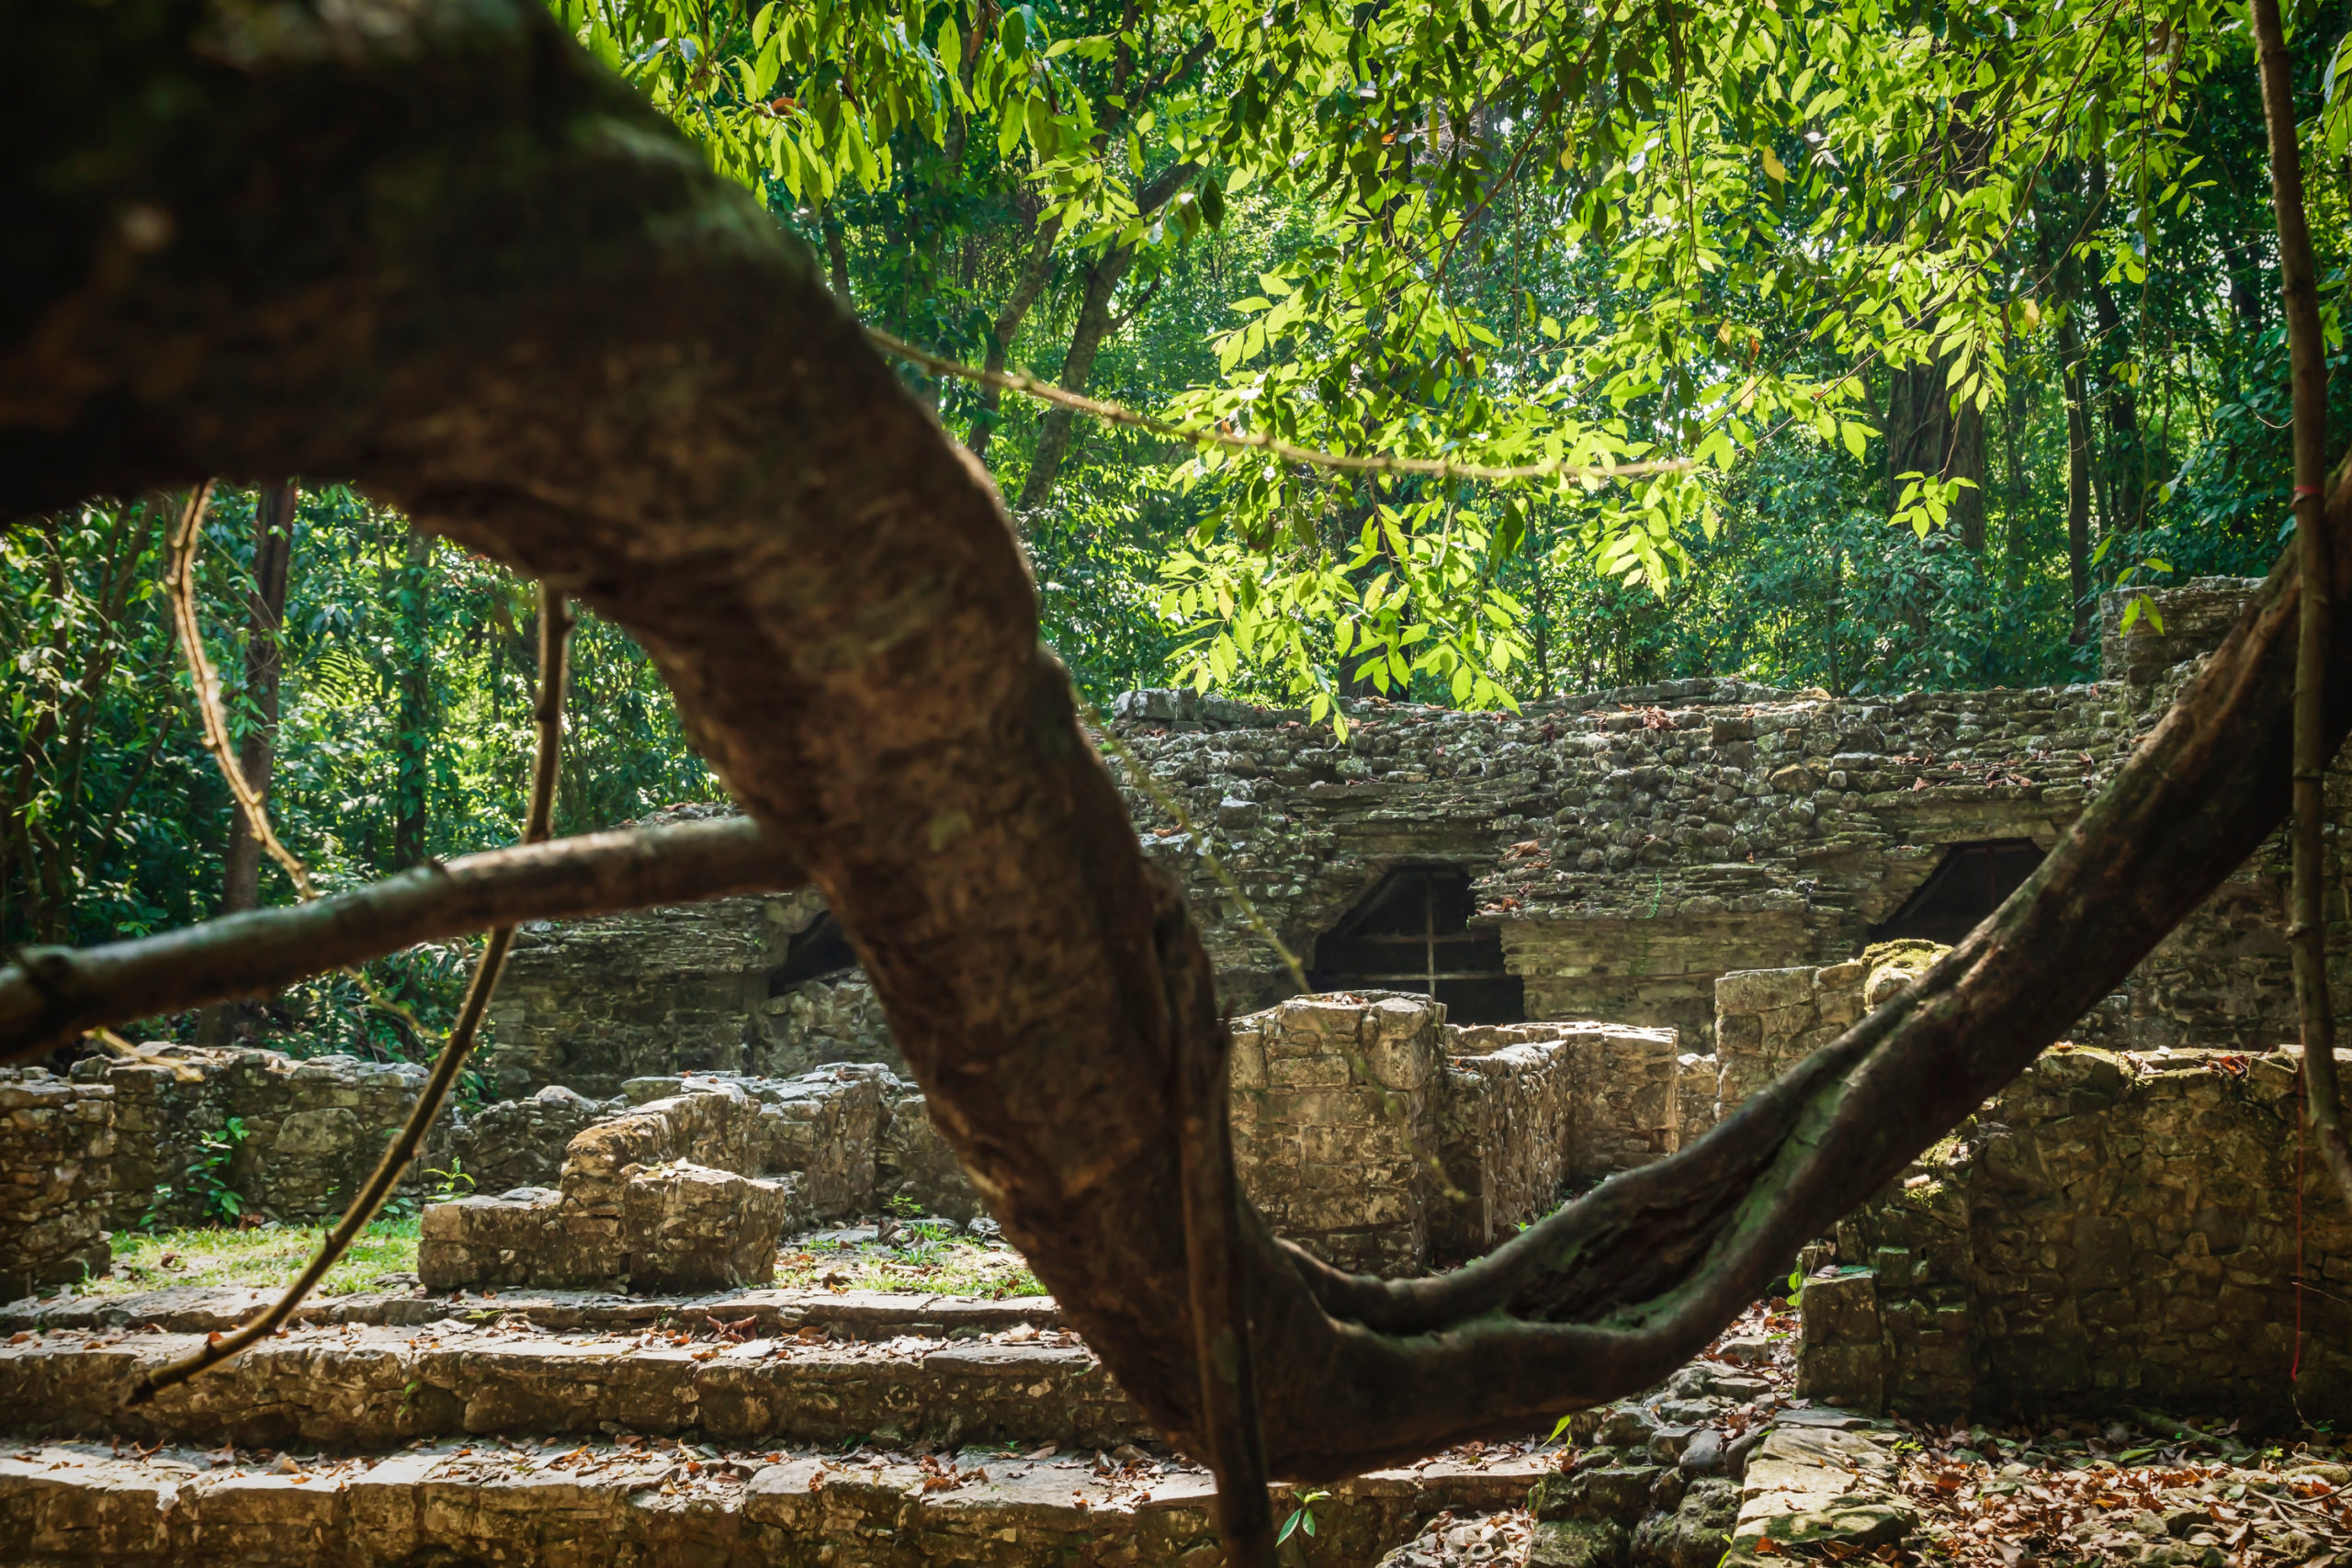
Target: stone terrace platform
(771, 1371)
(564, 1507)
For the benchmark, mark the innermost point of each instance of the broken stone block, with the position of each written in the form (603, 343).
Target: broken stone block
(1811, 1487)
(915, 1163)
(484, 1240)
(1842, 1361)
(1695, 1534)
(687, 1227)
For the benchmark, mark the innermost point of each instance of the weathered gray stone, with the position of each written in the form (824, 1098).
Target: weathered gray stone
(668, 1194)
(1695, 1534)
(362, 1388)
(915, 1164)
(300, 1134)
(1807, 1485)
(57, 1178)
(569, 1506)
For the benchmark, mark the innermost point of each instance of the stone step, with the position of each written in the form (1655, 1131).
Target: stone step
(68, 1506)
(366, 1387)
(842, 1315)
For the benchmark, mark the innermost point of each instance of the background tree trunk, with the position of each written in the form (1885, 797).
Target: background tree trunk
(1926, 436)
(413, 705)
(2125, 479)
(265, 655)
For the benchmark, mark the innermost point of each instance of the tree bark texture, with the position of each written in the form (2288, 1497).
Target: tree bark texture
(523, 311)
(2078, 453)
(1059, 426)
(256, 751)
(1036, 267)
(413, 703)
(2127, 463)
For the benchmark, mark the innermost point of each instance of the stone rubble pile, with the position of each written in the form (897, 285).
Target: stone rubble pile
(692, 1185)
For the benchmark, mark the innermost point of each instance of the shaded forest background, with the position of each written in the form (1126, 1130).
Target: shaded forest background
(2154, 350)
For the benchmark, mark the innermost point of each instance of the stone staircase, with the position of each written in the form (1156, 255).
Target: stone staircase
(835, 1430)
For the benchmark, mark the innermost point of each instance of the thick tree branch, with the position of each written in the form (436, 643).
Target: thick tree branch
(523, 311)
(51, 995)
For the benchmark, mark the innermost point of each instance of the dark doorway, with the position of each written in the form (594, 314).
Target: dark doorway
(822, 949)
(1413, 934)
(1970, 885)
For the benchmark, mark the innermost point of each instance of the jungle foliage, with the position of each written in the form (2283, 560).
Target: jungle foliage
(1876, 272)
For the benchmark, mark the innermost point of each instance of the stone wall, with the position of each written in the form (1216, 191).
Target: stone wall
(2113, 1230)
(1628, 848)
(1332, 1127)
(57, 1148)
(301, 1134)
(590, 1004)
(1382, 1139)
(511, 1143)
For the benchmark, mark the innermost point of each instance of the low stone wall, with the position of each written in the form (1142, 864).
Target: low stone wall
(57, 1149)
(1333, 1128)
(2111, 1231)
(1767, 1021)
(515, 1143)
(300, 1135)
(914, 1165)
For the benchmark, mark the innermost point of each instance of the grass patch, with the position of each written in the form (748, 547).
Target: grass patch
(928, 1265)
(270, 1256)
(263, 1257)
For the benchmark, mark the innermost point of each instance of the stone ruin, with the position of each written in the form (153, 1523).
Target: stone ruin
(1548, 947)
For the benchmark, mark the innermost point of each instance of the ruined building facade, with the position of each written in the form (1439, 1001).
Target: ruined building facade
(1604, 857)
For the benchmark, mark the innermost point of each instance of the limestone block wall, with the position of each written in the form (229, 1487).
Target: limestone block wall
(2115, 1229)
(57, 1150)
(1333, 1128)
(1769, 1020)
(914, 1162)
(1627, 847)
(1382, 1139)
(590, 1004)
(312, 1129)
(513, 1143)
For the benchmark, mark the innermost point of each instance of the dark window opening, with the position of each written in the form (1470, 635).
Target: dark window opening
(821, 950)
(1413, 934)
(1971, 884)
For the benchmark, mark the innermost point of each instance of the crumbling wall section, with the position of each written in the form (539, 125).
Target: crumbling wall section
(1375, 1134)
(1332, 1125)
(284, 1137)
(591, 1004)
(687, 1187)
(2113, 1231)
(57, 1151)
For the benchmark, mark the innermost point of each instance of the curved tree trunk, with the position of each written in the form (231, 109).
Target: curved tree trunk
(526, 314)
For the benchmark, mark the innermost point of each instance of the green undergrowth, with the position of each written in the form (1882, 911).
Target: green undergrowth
(921, 1263)
(259, 1257)
(266, 1255)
